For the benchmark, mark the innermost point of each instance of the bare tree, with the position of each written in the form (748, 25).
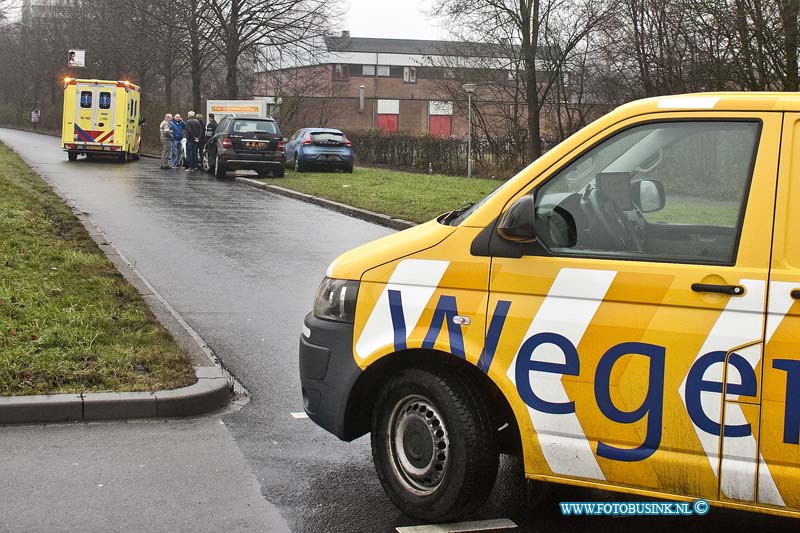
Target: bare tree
(529, 22)
(5, 6)
(246, 26)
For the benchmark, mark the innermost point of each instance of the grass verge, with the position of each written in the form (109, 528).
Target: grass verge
(414, 197)
(421, 197)
(69, 321)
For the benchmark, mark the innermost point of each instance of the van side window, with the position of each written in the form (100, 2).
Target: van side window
(667, 192)
(105, 100)
(86, 99)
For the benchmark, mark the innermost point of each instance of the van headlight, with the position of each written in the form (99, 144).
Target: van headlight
(336, 300)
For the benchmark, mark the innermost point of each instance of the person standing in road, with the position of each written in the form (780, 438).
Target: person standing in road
(211, 127)
(194, 130)
(165, 130)
(203, 140)
(177, 134)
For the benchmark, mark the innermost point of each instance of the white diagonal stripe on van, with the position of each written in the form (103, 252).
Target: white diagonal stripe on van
(416, 280)
(738, 324)
(568, 309)
(780, 302)
(767, 489)
(739, 454)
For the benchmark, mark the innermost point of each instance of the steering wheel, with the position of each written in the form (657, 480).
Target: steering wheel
(611, 228)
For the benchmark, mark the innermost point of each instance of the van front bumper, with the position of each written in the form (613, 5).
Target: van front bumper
(327, 373)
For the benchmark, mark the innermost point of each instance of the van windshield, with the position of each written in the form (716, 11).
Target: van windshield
(459, 215)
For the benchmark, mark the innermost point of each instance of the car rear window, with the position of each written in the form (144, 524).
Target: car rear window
(327, 137)
(254, 126)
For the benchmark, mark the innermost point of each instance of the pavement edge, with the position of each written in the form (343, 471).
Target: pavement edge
(214, 389)
(349, 210)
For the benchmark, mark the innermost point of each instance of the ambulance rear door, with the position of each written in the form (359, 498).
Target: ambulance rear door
(95, 105)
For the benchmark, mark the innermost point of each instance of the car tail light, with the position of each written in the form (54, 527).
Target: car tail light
(307, 140)
(347, 141)
(281, 145)
(227, 142)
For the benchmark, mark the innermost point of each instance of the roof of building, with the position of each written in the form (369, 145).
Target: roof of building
(346, 43)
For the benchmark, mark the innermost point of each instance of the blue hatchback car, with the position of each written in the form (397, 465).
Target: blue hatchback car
(319, 148)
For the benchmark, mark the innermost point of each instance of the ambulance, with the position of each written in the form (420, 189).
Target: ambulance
(103, 118)
(623, 314)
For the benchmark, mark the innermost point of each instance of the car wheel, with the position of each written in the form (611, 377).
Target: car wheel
(278, 173)
(138, 154)
(72, 156)
(219, 168)
(298, 167)
(123, 157)
(349, 169)
(207, 166)
(433, 444)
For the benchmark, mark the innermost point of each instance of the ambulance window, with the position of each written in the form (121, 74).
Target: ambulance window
(105, 100)
(667, 192)
(86, 99)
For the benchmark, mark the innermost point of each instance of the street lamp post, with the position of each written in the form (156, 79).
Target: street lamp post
(469, 88)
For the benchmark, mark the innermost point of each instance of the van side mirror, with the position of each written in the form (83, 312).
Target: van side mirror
(517, 225)
(141, 121)
(648, 195)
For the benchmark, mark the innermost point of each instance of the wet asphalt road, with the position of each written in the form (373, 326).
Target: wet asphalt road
(242, 265)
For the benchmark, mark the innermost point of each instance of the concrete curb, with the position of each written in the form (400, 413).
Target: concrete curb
(208, 394)
(214, 389)
(349, 210)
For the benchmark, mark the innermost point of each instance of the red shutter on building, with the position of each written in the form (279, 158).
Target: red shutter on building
(441, 125)
(388, 122)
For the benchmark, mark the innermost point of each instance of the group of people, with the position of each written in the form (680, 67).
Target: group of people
(182, 142)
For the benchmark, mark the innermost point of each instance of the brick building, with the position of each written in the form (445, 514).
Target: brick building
(388, 84)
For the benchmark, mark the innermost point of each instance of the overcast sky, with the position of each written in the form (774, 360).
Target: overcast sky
(398, 19)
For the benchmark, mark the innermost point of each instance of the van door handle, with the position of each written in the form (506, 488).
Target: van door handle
(733, 290)
(796, 294)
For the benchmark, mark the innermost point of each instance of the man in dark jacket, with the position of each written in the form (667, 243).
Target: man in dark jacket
(211, 127)
(194, 131)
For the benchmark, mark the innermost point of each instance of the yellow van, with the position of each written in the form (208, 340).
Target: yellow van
(623, 313)
(101, 117)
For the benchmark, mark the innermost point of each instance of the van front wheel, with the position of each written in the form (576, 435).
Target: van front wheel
(433, 444)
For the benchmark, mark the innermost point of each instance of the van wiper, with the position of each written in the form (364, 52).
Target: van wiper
(455, 213)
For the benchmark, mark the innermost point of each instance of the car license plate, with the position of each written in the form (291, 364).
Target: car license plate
(328, 157)
(255, 144)
(93, 147)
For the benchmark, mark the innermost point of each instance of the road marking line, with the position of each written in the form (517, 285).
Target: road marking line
(299, 415)
(478, 525)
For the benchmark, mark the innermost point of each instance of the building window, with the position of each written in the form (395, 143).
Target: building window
(341, 72)
(410, 74)
(368, 70)
(384, 70)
